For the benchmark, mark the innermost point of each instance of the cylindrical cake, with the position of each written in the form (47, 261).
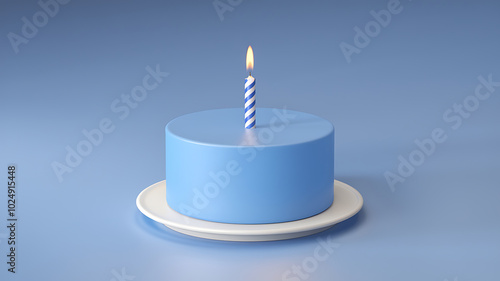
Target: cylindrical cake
(216, 170)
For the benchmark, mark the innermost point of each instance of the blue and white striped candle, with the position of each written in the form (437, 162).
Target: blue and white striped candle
(250, 93)
(250, 102)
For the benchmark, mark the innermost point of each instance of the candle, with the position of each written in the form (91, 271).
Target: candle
(250, 93)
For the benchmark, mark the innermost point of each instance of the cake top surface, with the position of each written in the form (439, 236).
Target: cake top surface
(225, 127)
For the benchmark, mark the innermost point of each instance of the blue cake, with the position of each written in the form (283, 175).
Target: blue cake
(216, 170)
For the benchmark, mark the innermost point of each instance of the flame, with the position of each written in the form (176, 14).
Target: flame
(249, 58)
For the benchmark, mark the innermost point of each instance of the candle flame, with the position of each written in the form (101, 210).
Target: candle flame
(249, 58)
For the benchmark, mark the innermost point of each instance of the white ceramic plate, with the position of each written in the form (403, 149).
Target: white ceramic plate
(152, 203)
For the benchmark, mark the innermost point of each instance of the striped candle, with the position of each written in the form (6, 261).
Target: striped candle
(250, 102)
(250, 93)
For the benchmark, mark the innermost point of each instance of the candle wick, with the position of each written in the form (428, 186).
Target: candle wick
(250, 73)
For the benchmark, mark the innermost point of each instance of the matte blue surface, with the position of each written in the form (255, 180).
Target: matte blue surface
(219, 171)
(225, 127)
(440, 223)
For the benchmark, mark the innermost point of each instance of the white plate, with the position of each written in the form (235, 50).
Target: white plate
(152, 203)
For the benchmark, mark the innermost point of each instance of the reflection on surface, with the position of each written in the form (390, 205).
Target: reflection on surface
(249, 138)
(180, 257)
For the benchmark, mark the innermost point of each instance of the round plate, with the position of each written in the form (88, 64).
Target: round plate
(152, 203)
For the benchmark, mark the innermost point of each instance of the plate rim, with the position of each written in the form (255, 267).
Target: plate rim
(249, 229)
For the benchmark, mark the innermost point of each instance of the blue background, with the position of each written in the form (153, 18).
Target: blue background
(440, 223)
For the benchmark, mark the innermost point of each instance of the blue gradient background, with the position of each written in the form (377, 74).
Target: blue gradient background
(441, 223)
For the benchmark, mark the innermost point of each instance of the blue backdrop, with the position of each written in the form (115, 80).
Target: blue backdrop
(412, 88)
